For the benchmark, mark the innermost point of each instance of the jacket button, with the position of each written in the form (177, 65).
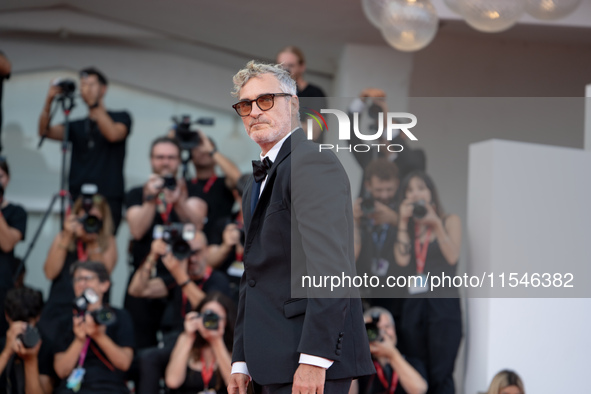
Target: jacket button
(340, 340)
(252, 282)
(341, 333)
(337, 352)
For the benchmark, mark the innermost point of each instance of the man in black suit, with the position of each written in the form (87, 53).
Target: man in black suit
(298, 221)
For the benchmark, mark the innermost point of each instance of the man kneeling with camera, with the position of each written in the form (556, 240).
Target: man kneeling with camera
(96, 345)
(26, 362)
(395, 374)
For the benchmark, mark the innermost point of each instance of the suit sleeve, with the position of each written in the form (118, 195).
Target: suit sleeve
(321, 204)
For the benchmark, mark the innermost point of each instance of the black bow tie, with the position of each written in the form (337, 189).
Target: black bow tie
(260, 169)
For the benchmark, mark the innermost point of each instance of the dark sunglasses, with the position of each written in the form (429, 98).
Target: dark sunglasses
(265, 102)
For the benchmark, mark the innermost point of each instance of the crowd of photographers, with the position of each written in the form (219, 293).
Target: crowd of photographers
(185, 256)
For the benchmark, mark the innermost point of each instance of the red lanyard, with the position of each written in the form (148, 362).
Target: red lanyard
(82, 255)
(421, 250)
(83, 353)
(208, 271)
(382, 377)
(166, 214)
(206, 373)
(209, 183)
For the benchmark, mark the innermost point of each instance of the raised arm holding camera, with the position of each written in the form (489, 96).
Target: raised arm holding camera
(95, 347)
(200, 360)
(26, 363)
(98, 141)
(87, 235)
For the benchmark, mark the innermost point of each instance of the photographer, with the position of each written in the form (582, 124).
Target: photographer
(80, 240)
(98, 141)
(162, 200)
(103, 352)
(227, 256)
(396, 374)
(370, 103)
(26, 363)
(190, 280)
(428, 242)
(375, 231)
(13, 225)
(215, 191)
(201, 358)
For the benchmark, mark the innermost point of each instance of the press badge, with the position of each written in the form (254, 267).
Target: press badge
(236, 269)
(75, 379)
(419, 285)
(379, 267)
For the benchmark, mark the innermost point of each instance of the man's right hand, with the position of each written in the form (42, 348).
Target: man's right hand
(153, 187)
(79, 327)
(15, 329)
(158, 248)
(238, 383)
(231, 235)
(54, 90)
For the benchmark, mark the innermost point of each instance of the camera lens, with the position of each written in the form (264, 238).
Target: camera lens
(211, 320)
(30, 337)
(103, 316)
(419, 210)
(91, 224)
(181, 249)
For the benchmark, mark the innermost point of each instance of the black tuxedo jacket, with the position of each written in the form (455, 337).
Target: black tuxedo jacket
(302, 225)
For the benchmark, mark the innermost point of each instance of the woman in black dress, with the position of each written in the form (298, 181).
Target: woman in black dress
(201, 359)
(429, 242)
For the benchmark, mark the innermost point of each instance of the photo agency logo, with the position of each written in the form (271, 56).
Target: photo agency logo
(396, 122)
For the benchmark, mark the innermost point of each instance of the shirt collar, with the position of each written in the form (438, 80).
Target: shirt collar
(274, 151)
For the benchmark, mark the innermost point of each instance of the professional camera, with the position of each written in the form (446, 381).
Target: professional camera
(91, 223)
(68, 86)
(211, 320)
(169, 182)
(419, 209)
(368, 205)
(176, 235)
(30, 338)
(373, 332)
(103, 316)
(187, 138)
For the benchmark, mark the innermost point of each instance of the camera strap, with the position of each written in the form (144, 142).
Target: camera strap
(209, 183)
(206, 373)
(421, 250)
(382, 377)
(82, 255)
(83, 353)
(165, 213)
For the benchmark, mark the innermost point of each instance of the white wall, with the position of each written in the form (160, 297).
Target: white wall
(518, 221)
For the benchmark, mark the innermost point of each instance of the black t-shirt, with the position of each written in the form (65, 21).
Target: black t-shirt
(177, 308)
(16, 366)
(220, 202)
(194, 383)
(95, 159)
(101, 376)
(141, 248)
(373, 385)
(15, 217)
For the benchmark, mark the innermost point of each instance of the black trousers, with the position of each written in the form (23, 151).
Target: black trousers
(339, 386)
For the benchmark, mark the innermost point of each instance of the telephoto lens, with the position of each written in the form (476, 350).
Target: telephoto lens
(373, 332)
(169, 182)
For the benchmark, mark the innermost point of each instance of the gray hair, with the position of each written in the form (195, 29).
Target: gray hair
(254, 69)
